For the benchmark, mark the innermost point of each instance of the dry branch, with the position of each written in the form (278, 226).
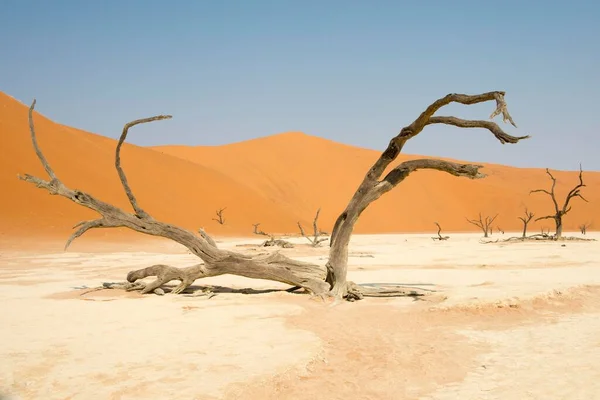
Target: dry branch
(316, 240)
(439, 234)
(560, 212)
(220, 218)
(485, 224)
(257, 231)
(584, 227)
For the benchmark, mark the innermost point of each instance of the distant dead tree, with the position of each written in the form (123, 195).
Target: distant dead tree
(545, 231)
(583, 227)
(439, 235)
(220, 218)
(526, 219)
(258, 231)
(559, 212)
(500, 230)
(485, 224)
(272, 241)
(329, 280)
(316, 239)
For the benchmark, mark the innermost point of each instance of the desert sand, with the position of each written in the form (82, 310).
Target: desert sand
(506, 321)
(276, 180)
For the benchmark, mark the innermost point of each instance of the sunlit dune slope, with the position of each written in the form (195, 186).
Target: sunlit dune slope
(169, 188)
(310, 172)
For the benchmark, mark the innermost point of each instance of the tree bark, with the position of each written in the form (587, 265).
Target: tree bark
(329, 281)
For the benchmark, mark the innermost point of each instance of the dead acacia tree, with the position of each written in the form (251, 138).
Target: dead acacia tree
(560, 212)
(526, 219)
(500, 230)
(584, 227)
(328, 281)
(485, 224)
(439, 234)
(316, 239)
(220, 218)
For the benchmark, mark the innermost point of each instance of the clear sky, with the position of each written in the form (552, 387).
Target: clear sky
(351, 71)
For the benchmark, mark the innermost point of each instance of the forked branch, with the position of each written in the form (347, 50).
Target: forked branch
(316, 239)
(257, 231)
(560, 212)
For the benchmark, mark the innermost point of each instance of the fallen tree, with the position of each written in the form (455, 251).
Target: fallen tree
(560, 212)
(320, 281)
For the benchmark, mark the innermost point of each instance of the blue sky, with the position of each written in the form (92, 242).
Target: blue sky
(351, 71)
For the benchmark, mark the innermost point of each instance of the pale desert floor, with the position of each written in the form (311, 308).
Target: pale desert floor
(507, 321)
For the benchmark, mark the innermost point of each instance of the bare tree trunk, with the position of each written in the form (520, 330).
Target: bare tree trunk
(559, 226)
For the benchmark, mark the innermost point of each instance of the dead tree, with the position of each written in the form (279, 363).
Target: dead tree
(328, 281)
(220, 218)
(271, 241)
(258, 231)
(560, 212)
(500, 230)
(316, 239)
(485, 224)
(584, 227)
(439, 234)
(526, 219)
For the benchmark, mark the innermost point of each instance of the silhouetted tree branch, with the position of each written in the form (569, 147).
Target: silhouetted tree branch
(528, 216)
(485, 224)
(220, 218)
(560, 212)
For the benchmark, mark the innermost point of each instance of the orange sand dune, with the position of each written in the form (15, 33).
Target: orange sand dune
(310, 172)
(171, 189)
(277, 180)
